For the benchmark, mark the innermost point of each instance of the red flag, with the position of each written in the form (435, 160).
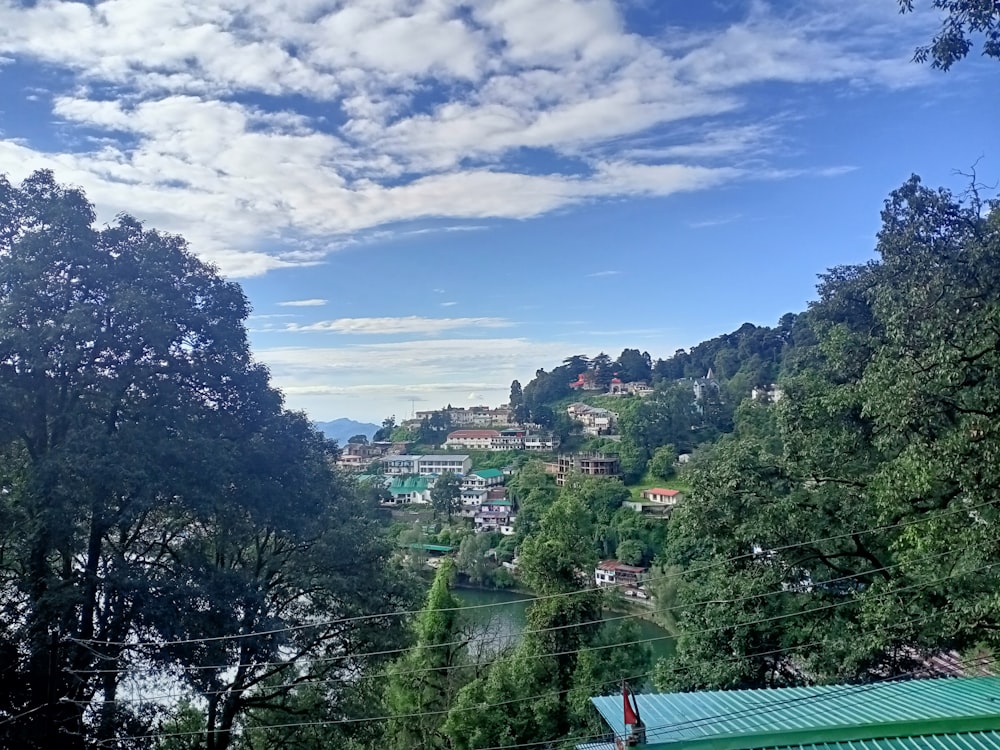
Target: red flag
(630, 717)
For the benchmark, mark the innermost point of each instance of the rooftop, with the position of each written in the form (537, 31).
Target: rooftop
(488, 473)
(945, 714)
(469, 434)
(661, 491)
(619, 566)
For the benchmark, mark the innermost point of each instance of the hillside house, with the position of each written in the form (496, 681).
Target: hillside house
(495, 515)
(662, 496)
(481, 440)
(483, 479)
(588, 464)
(472, 500)
(411, 489)
(701, 386)
(615, 573)
(595, 420)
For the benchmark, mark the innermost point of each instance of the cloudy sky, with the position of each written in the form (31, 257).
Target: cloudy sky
(425, 199)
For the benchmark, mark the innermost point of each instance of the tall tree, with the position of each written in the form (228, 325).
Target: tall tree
(446, 495)
(889, 421)
(428, 677)
(145, 461)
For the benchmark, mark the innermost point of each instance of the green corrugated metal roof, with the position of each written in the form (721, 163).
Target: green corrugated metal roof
(821, 715)
(409, 484)
(488, 473)
(432, 547)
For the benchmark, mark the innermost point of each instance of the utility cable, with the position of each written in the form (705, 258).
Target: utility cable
(616, 618)
(403, 613)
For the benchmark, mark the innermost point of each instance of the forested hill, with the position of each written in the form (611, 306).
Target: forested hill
(748, 357)
(671, 419)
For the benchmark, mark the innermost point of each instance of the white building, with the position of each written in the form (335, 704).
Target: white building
(403, 464)
(438, 464)
(472, 439)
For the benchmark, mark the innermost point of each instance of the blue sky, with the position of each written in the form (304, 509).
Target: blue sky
(425, 199)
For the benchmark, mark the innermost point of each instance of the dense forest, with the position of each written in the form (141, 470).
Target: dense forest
(182, 567)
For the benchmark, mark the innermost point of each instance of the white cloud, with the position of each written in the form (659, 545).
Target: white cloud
(327, 381)
(413, 108)
(708, 223)
(304, 303)
(413, 324)
(600, 274)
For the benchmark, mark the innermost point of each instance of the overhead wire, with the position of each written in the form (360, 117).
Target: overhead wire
(826, 695)
(638, 641)
(554, 628)
(527, 600)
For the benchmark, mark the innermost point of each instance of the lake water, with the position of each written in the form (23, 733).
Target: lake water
(502, 625)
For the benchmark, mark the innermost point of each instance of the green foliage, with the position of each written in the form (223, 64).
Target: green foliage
(472, 560)
(446, 495)
(961, 21)
(146, 461)
(630, 551)
(663, 463)
(889, 418)
(428, 677)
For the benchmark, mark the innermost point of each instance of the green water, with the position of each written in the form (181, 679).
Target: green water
(501, 625)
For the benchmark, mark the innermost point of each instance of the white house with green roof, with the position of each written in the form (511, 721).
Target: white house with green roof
(410, 489)
(483, 479)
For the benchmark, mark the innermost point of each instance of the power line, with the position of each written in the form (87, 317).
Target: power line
(568, 652)
(528, 600)
(481, 707)
(617, 618)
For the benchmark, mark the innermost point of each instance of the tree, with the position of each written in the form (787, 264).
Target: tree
(386, 430)
(472, 560)
(446, 495)
(630, 552)
(518, 408)
(427, 678)
(889, 422)
(603, 369)
(634, 366)
(145, 461)
(963, 19)
(663, 462)
(358, 440)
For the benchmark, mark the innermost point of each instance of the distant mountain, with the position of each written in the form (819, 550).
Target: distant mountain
(343, 430)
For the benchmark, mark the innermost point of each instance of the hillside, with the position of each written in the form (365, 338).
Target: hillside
(344, 429)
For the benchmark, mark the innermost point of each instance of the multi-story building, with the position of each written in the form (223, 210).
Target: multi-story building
(495, 515)
(539, 443)
(401, 464)
(589, 464)
(511, 439)
(439, 464)
(483, 479)
(427, 465)
(472, 439)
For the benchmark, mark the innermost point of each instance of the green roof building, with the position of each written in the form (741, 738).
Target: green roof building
(929, 714)
(489, 473)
